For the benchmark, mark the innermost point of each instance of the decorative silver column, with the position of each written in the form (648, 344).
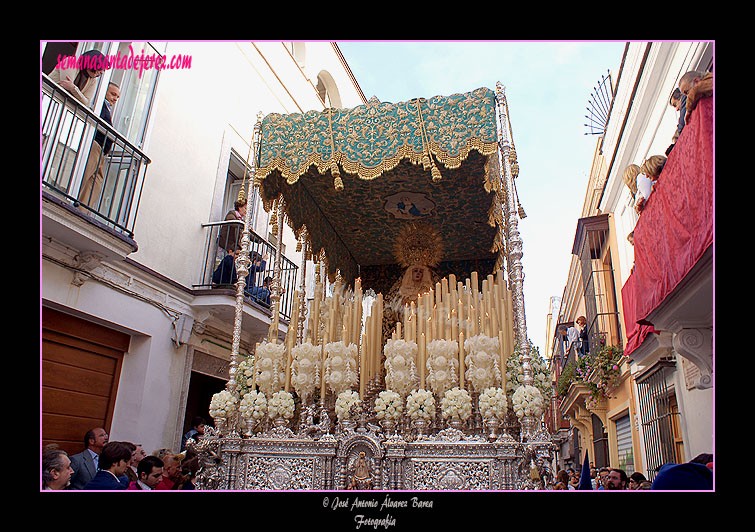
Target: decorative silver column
(510, 217)
(242, 269)
(529, 423)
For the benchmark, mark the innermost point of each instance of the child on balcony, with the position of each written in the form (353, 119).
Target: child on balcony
(650, 171)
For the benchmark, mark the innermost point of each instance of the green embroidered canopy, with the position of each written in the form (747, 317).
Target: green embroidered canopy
(356, 177)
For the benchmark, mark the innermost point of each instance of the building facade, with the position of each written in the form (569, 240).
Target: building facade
(136, 333)
(658, 402)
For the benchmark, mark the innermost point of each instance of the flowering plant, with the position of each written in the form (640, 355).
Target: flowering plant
(340, 366)
(527, 401)
(482, 361)
(493, 403)
(305, 369)
(269, 366)
(222, 404)
(599, 372)
(420, 404)
(344, 402)
(253, 405)
(456, 403)
(541, 375)
(389, 405)
(281, 404)
(245, 374)
(442, 365)
(400, 366)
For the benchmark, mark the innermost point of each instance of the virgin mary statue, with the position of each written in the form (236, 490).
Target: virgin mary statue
(418, 249)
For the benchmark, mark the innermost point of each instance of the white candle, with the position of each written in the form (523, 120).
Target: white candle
(461, 360)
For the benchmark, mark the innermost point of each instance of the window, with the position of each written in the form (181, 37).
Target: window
(659, 416)
(591, 247)
(133, 109)
(624, 444)
(326, 88)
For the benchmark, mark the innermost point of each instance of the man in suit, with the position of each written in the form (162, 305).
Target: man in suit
(85, 463)
(113, 463)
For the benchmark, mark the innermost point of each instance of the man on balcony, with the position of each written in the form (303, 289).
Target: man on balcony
(570, 336)
(94, 176)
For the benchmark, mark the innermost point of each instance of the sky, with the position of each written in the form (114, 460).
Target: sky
(548, 86)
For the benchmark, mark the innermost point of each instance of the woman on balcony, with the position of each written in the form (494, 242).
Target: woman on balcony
(81, 82)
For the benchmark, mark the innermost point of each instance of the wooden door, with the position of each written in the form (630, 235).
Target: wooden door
(79, 373)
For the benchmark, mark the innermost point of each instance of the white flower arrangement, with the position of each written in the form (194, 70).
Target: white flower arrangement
(245, 374)
(527, 401)
(344, 402)
(223, 404)
(281, 404)
(389, 405)
(442, 365)
(340, 366)
(493, 403)
(253, 405)
(420, 404)
(269, 366)
(400, 366)
(482, 361)
(540, 371)
(305, 369)
(456, 403)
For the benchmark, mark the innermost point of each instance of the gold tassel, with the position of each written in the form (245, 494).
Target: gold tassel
(338, 183)
(435, 173)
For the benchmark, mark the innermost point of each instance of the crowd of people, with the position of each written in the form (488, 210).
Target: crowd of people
(697, 474)
(106, 465)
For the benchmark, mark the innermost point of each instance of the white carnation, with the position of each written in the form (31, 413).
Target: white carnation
(420, 404)
(388, 404)
(456, 403)
(344, 402)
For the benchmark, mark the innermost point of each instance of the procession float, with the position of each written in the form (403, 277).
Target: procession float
(408, 367)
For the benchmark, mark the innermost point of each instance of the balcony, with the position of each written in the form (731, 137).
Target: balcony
(216, 289)
(94, 215)
(670, 290)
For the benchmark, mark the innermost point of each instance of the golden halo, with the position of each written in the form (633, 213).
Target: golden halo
(418, 243)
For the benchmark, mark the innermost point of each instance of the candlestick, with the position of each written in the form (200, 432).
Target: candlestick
(461, 360)
(379, 343)
(437, 312)
(502, 363)
(322, 368)
(468, 307)
(413, 319)
(453, 331)
(476, 303)
(315, 316)
(421, 361)
(362, 368)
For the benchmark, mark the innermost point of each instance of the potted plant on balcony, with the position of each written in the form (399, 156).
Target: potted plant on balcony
(599, 372)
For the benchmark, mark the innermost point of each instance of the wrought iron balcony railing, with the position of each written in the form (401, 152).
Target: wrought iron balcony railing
(219, 270)
(88, 163)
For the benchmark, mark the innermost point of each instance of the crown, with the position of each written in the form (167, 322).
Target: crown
(418, 244)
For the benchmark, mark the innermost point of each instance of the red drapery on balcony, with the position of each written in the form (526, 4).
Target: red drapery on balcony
(677, 225)
(636, 332)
